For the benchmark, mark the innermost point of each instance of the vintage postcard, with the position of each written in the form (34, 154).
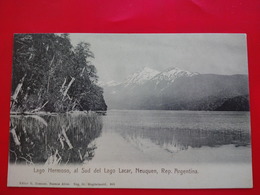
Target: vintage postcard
(130, 111)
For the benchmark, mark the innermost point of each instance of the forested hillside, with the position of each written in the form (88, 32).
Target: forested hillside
(49, 74)
(176, 89)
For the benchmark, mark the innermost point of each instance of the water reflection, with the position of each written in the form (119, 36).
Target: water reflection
(57, 139)
(176, 131)
(175, 140)
(70, 138)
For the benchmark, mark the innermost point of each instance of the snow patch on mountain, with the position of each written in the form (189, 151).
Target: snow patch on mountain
(147, 74)
(141, 77)
(171, 74)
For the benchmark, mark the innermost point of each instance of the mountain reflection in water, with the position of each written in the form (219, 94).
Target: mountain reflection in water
(175, 131)
(181, 139)
(70, 138)
(54, 139)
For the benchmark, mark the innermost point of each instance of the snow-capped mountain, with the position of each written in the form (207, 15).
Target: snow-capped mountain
(176, 89)
(170, 74)
(147, 74)
(141, 77)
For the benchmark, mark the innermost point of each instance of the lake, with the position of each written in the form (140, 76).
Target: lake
(174, 137)
(125, 136)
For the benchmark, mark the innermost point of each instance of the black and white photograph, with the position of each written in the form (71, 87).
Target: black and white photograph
(130, 111)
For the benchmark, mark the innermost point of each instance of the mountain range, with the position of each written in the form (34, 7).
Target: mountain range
(176, 89)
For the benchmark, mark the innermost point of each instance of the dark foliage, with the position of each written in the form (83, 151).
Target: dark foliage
(239, 103)
(53, 75)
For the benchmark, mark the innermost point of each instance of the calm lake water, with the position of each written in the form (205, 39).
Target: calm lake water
(174, 136)
(131, 136)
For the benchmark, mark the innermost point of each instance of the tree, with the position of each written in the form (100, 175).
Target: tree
(52, 75)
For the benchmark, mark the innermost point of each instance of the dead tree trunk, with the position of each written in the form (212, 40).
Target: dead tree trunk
(68, 87)
(38, 109)
(66, 137)
(81, 74)
(63, 85)
(15, 137)
(17, 91)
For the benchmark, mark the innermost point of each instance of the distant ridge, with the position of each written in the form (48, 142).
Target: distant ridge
(177, 89)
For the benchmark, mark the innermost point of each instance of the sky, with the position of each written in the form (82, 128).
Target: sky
(117, 56)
